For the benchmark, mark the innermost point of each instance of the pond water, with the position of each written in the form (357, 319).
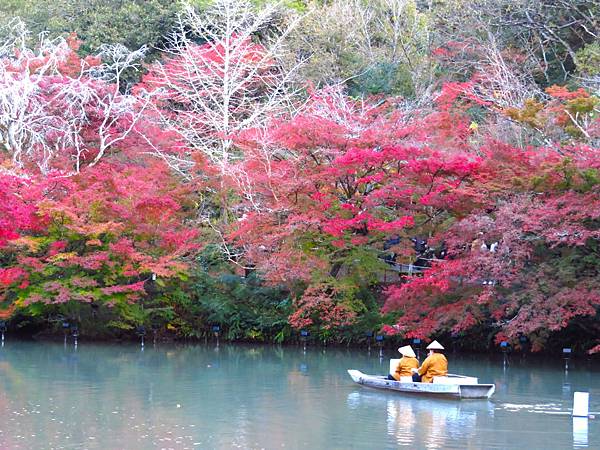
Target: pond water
(197, 397)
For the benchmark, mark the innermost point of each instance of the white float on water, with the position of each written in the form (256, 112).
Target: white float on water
(581, 404)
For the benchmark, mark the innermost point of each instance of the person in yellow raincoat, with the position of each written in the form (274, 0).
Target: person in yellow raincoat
(435, 365)
(408, 362)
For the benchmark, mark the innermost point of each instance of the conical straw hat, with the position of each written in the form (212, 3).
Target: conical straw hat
(435, 345)
(407, 351)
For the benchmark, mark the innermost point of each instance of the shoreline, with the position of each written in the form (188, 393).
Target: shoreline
(389, 350)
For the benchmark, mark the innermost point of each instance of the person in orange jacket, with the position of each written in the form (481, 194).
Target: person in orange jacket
(435, 365)
(408, 362)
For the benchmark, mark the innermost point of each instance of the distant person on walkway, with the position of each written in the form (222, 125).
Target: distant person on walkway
(435, 365)
(408, 362)
(478, 245)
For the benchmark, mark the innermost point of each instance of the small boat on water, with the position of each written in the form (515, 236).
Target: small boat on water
(454, 386)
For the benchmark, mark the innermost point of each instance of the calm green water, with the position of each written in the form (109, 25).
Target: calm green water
(117, 397)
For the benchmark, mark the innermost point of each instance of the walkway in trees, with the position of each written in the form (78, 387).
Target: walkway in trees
(394, 270)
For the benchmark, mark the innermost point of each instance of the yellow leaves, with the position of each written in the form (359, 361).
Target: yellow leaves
(33, 244)
(97, 210)
(528, 114)
(96, 229)
(8, 167)
(582, 105)
(62, 256)
(570, 112)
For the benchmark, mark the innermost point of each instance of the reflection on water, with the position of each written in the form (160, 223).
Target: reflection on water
(414, 421)
(580, 432)
(435, 423)
(184, 397)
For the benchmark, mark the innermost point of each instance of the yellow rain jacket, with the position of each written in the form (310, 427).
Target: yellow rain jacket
(435, 365)
(403, 368)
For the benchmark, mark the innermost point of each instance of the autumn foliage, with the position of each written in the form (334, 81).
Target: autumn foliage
(512, 232)
(82, 219)
(430, 217)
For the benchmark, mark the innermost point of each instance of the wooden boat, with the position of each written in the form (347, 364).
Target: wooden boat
(454, 386)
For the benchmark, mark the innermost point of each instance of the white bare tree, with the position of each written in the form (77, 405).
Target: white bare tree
(229, 83)
(24, 122)
(120, 112)
(43, 110)
(503, 82)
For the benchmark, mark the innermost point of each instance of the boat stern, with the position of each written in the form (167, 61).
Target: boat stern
(477, 390)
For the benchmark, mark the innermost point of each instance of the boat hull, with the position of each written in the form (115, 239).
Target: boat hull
(453, 390)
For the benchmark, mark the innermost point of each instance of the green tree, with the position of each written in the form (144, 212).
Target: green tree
(375, 47)
(133, 23)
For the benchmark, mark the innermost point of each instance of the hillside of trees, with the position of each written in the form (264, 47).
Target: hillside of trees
(417, 169)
